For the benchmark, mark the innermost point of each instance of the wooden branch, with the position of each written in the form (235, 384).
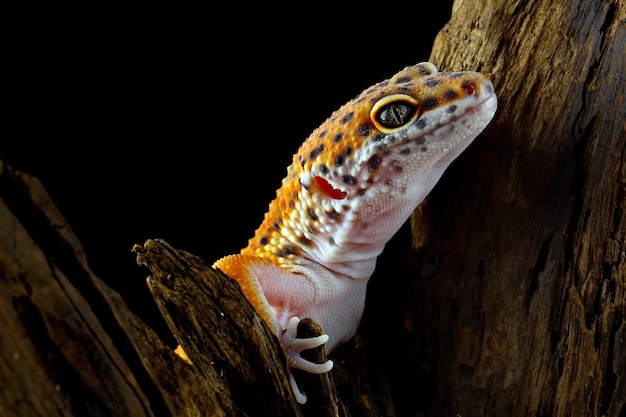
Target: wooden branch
(233, 352)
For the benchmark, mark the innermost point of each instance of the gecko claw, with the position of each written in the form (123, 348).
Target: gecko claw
(300, 396)
(293, 347)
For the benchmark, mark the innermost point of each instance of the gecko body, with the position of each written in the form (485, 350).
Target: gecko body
(351, 185)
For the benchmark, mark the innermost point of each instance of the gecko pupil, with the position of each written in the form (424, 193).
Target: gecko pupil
(396, 114)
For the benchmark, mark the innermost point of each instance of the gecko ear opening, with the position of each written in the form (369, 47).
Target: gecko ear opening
(329, 190)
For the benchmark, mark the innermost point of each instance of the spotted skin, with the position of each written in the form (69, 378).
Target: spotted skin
(354, 181)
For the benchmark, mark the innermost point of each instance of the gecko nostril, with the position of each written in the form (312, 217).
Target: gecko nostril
(469, 87)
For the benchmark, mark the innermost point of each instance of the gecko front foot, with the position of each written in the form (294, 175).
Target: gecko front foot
(293, 347)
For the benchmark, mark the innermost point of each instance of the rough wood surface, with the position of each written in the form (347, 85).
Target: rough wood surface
(71, 347)
(56, 356)
(520, 253)
(230, 348)
(234, 354)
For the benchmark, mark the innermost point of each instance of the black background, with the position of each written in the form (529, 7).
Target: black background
(179, 123)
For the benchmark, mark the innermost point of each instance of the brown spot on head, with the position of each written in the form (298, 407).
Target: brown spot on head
(315, 152)
(364, 130)
(345, 119)
(429, 103)
(403, 79)
(348, 179)
(374, 162)
(334, 215)
(286, 251)
(312, 214)
(450, 94)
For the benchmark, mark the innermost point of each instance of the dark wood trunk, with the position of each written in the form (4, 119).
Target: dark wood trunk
(518, 299)
(510, 300)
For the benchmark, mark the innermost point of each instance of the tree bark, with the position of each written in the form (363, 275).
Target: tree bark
(517, 302)
(71, 347)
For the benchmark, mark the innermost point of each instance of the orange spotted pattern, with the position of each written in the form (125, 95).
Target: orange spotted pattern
(296, 214)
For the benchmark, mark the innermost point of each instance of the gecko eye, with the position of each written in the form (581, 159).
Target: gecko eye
(394, 112)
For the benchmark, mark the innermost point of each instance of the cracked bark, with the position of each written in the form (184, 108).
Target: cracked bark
(522, 269)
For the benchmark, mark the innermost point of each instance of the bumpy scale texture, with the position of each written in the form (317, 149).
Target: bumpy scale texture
(351, 186)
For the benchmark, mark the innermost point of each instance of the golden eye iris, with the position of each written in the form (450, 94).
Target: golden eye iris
(394, 112)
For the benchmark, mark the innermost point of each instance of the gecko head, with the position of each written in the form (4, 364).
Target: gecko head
(357, 177)
(393, 138)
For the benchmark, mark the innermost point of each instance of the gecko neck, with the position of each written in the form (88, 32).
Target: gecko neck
(363, 236)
